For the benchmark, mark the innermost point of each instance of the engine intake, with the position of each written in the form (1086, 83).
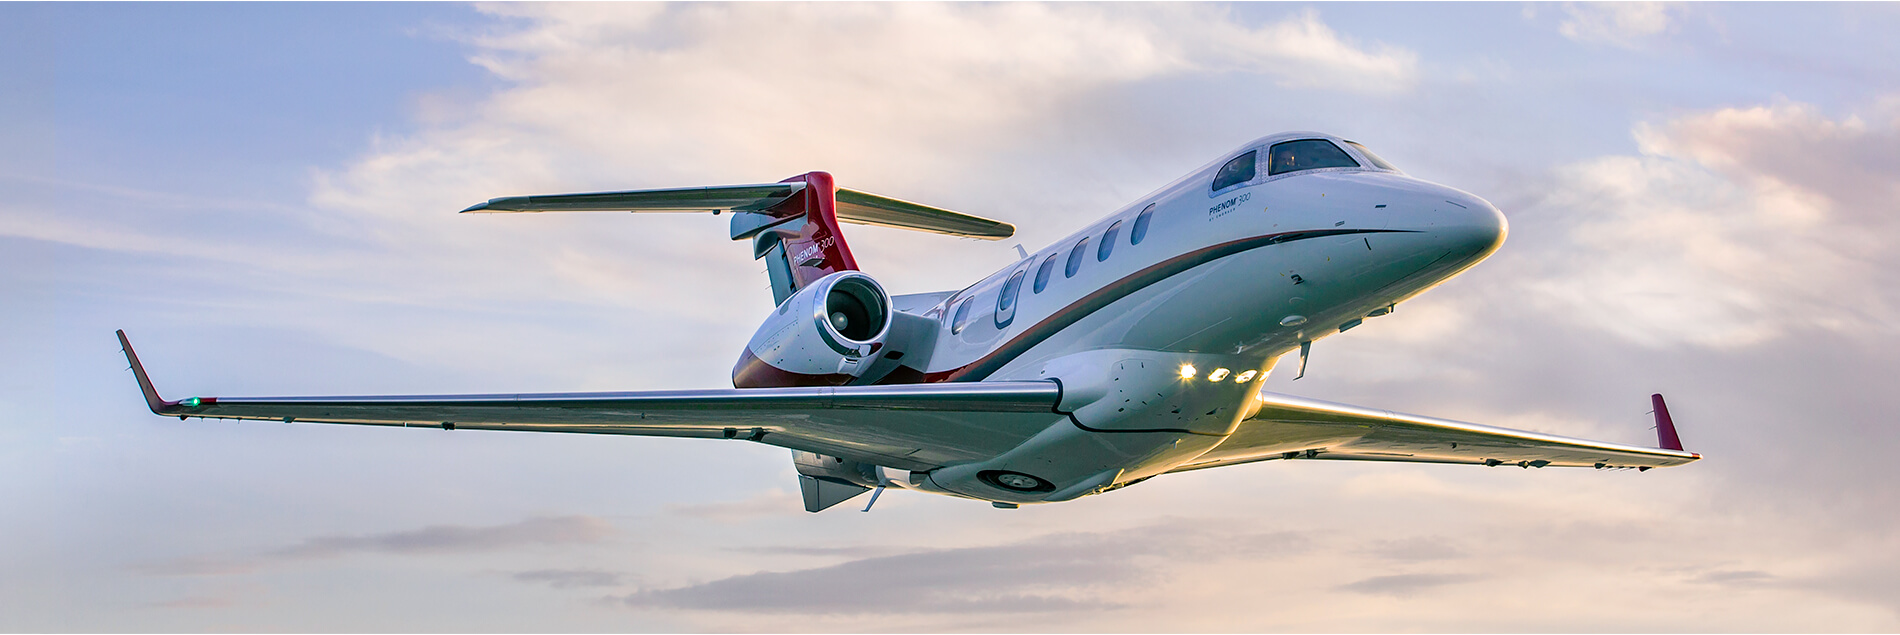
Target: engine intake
(824, 335)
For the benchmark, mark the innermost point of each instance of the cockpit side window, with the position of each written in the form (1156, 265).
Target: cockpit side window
(1376, 161)
(1238, 171)
(1307, 154)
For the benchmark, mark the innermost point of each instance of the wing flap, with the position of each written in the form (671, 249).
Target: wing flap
(1289, 427)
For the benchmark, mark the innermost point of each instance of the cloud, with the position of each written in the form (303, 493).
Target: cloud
(895, 93)
(914, 100)
(568, 578)
(1624, 24)
(1417, 548)
(455, 539)
(1873, 577)
(855, 551)
(1017, 578)
(1731, 228)
(196, 602)
(434, 539)
(1055, 573)
(1733, 578)
(770, 503)
(197, 566)
(1404, 584)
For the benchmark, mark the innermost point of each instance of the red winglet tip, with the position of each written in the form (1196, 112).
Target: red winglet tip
(1665, 427)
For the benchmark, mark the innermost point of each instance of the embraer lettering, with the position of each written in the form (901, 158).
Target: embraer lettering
(1023, 387)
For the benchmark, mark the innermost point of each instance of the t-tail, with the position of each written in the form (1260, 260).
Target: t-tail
(834, 325)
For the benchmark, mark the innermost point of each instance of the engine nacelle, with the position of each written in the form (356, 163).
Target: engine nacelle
(826, 334)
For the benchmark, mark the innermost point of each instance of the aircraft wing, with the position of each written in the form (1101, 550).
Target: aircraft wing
(1289, 427)
(853, 206)
(912, 427)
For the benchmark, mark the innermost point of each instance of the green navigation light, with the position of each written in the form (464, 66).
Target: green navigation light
(192, 402)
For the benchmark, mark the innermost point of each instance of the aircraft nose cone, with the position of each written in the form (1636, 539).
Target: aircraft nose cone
(1473, 227)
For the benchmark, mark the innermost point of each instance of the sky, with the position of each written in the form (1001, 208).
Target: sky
(1701, 198)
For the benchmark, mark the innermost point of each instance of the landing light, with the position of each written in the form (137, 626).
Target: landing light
(1187, 371)
(1217, 375)
(1245, 377)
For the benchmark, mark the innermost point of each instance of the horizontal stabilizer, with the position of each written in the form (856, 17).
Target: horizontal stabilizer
(870, 209)
(853, 206)
(717, 198)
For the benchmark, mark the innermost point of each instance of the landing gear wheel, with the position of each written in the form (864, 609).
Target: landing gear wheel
(1015, 481)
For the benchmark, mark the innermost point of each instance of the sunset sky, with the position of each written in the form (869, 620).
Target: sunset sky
(1702, 201)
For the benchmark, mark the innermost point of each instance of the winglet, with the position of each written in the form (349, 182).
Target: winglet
(152, 400)
(1665, 427)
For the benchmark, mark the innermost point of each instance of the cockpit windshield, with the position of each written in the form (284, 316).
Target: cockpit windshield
(1376, 161)
(1308, 154)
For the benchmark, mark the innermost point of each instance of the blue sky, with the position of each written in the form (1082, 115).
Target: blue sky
(263, 196)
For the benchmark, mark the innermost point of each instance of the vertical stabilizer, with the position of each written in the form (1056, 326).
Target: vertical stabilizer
(798, 238)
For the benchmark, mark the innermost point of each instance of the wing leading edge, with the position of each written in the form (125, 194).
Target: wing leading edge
(1289, 427)
(913, 427)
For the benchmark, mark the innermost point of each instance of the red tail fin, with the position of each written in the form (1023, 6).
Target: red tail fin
(815, 248)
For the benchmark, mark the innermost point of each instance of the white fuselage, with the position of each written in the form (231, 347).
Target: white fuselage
(1223, 282)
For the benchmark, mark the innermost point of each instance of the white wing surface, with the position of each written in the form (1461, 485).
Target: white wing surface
(912, 427)
(1289, 427)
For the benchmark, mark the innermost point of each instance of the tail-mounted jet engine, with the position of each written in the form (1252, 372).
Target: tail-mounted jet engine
(826, 334)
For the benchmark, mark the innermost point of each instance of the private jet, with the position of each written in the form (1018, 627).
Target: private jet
(1130, 349)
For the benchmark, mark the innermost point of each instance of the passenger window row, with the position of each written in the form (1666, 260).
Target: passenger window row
(1282, 158)
(1006, 297)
